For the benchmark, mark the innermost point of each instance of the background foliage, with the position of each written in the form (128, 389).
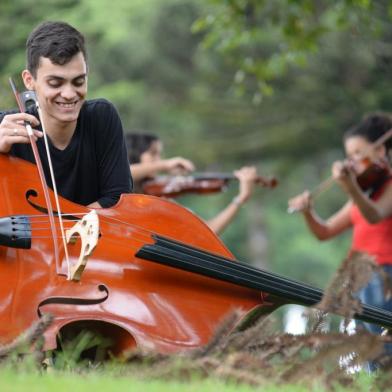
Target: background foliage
(231, 82)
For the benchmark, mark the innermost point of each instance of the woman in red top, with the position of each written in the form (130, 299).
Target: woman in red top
(367, 212)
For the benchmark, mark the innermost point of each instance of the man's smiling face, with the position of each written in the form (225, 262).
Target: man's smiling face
(61, 89)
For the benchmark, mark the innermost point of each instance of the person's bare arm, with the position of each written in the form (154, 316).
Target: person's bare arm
(221, 221)
(176, 165)
(321, 229)
(333, 226)
(373, 211)
(247, 177)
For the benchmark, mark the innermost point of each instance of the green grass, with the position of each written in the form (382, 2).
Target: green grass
(72, 373)
(11, 381)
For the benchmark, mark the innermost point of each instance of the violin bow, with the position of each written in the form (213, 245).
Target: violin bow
(22, 100)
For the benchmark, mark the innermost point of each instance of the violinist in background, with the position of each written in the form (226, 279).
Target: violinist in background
(85, 137)
(368, 212)
(145, 157)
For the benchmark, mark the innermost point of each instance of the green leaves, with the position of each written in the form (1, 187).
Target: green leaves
(276, 34)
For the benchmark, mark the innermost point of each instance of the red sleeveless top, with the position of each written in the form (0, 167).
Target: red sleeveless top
(373, 239)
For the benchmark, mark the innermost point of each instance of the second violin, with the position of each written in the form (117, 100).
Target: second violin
(200, 183)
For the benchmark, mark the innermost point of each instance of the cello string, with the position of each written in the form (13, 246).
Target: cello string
(40, 236)
(146, 234)
(41, 227)
(68, 220)
(233, 264)
(110, 221)
(312, 295)
(138, 240)
(119, 223)
(41, 221)
(142, 241)
(369, 313)
(143, 233)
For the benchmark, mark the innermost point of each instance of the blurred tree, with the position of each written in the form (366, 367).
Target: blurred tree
(214, 106)
(16, 22)
(266, 37)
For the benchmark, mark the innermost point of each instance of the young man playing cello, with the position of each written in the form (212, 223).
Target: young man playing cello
(86, 141)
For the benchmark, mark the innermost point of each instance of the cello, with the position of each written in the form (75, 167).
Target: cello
(146, 272)
(119, 292)
(158, 277)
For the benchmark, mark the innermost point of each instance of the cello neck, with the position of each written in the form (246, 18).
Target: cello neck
(175, 254)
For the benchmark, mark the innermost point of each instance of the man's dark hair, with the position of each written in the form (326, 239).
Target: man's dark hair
(372, 127)
(137, 144)
(58, 41)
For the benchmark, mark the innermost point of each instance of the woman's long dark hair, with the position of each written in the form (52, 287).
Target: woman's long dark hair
(137, 144)
(372, 127)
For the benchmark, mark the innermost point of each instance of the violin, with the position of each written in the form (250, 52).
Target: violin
(157, 278)
(372, 175)
(200, 183)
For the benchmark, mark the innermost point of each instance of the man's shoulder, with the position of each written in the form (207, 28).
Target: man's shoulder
(101, 117)
(98, 105)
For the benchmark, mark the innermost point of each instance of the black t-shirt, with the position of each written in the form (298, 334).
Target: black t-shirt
(94, 166)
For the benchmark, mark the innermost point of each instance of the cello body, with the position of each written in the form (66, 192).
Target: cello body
(131, 300)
